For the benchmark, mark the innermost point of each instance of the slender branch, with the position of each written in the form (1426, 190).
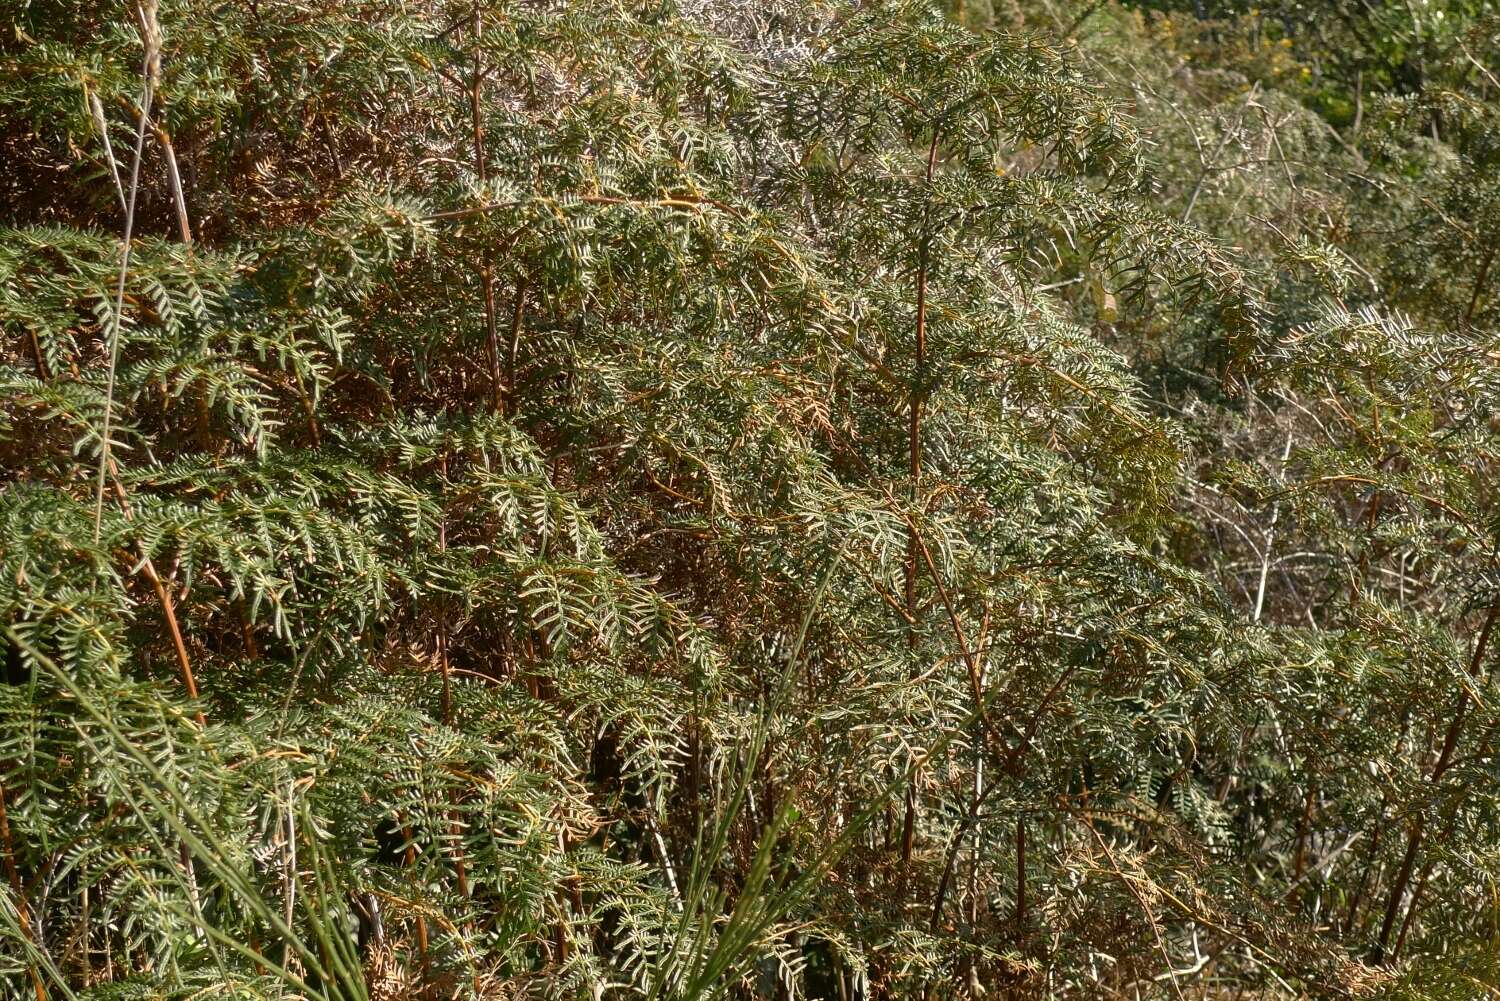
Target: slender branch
(101, 124)
(1364, 876)
(149, 27)
(518, 312)
(1010, 766)
(163, 597)
(971, 662)
(914, 477)
(1416, 895)
(481, 170)
(1145, 906)
(1445, 758)
(421, 922)
(23, 909)
(1207, 163)
(113, 333)
(1479, 280)
(1020, 878)
(673, 202)
(174, 180)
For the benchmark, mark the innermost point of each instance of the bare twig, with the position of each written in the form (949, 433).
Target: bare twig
(1207, 163)
(150, 29)
(148, 86)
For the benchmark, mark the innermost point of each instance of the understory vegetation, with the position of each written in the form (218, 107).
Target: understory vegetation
(749, 499)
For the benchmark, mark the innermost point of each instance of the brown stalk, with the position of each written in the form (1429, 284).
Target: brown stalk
(1484, 271)
(914, 476)
(1416, 895)
(169, 152)
(174, 178)
(1445, 758)
(1010, 766)
(164, 598)
(460, 866)
(481, 170)
(150, 31)
(971, 663)
(23, 910)
(147, 90)
(1020, 878)
(1300, 857)
(517, 313)
(36, 352)
(939, 897)
(1451, 820)
(681, 201)
(411, 860)
(184, 665)
(1145, 905)
(1364, 877)
(314, 434)
(442, 624)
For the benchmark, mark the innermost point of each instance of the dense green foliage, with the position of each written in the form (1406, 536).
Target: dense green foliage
(753, 500)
